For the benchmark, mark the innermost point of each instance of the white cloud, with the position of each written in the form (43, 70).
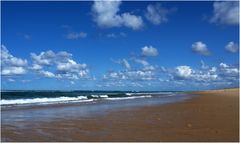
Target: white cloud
(44, 58)
(204, 77)
(11, 65)
(223, 65)
(232, 47)
(141, 75)
(132, 21)
(229, 71)
(49, 57)
(213, 70)
(47, 74)
(8, 59)
(61, 62)
(222, 75)
(187, 74)
(226, 12)
(8, 71)
(106, 15)
(200, 48)
(71, 66)
(36, 67)
(181, 75)
(149, 51)
(157, 14)
(75, 36)
(183, 71)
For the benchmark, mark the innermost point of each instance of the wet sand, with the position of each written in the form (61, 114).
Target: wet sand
(210, 116)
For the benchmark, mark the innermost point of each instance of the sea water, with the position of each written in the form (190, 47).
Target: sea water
(20, 107)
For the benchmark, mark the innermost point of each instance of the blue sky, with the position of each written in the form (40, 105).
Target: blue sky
(119, 45)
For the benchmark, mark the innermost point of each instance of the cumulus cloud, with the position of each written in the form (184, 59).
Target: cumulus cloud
(70, 66)
(47, 74)
(232, 47)
(9, 71)
(149, 51)
(228, 71)
(132, 21)
(7, 58)
(59, 65)
(187, 74)
(157, 14)
(44, 58)
(36, 67)
(200, 48)
(183, 71)
(106, 15)
(222, 74)
(75, 36)
(11, 65)
(226, 12)
(62, 62)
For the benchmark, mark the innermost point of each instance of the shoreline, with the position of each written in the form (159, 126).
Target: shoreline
(90, 103)
(205, 117)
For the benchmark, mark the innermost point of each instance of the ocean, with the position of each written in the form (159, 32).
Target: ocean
(28, 106)
(26, 98)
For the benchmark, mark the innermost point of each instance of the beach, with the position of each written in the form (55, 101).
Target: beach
(207, 116)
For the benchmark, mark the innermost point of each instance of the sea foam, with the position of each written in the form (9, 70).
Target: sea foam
(43, 100)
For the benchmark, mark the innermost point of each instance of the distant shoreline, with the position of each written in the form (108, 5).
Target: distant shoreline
(181, 91)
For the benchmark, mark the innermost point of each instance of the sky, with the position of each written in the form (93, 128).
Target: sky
(119, 45)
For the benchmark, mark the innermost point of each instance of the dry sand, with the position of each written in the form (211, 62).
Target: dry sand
(211, 116)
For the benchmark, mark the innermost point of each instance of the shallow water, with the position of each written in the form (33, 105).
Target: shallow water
(17, 115)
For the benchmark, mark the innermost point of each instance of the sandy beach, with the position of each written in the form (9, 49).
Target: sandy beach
(209, 116)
